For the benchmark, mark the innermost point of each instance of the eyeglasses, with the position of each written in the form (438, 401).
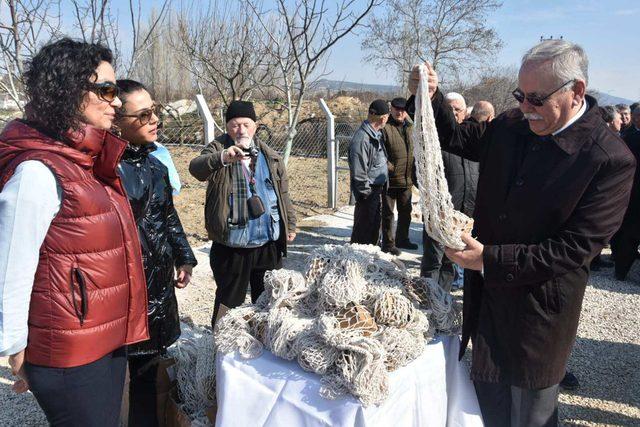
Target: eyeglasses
(145, 116)
(107, 91)
(534, 100)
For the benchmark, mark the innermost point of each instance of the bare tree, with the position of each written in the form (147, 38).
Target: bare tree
(23, 25)
(221, 47)
(159, 66)
(451, 34)
(494, 84)
(302, 34)
(95, 21)
(91, 20)
(143, 39)
(27, 24)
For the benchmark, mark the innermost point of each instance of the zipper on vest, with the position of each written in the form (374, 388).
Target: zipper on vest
(82, 308)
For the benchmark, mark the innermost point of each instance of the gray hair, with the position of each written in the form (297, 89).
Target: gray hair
(568, 60)
(622, 108)
(455, 96)
(482, 110)
(609, 113)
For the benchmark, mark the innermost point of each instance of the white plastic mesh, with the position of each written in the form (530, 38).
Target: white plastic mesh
(443, 223)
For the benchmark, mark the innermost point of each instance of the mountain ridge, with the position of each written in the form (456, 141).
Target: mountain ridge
(324, 85)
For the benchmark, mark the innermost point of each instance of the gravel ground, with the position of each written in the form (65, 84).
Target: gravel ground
(606, 356)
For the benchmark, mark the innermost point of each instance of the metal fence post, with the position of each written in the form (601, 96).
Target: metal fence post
(209, 123)
(332, 182)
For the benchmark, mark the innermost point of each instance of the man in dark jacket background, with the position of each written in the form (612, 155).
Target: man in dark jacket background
(398, 141)
(625, 117)
(368, 172)
(248, 213)
(554, 185)
(462, 180)
(624, 245)
(482, 111)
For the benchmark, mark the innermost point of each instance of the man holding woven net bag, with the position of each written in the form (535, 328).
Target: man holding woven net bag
(553, 187)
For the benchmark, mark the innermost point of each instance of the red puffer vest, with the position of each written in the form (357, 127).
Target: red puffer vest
(89, 295)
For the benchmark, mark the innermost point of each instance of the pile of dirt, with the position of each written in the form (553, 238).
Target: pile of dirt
(344, 108)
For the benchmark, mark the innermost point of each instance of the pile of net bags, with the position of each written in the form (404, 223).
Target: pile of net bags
(195, 372)
(354, 316)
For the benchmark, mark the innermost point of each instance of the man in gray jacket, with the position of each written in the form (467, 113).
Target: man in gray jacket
(368, 170)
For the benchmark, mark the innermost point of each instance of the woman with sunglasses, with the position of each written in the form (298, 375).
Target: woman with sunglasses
(165, 248)
(72, 285)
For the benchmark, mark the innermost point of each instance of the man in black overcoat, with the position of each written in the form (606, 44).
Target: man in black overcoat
(553, 188)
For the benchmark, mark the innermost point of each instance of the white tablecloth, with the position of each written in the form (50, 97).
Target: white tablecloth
(434, 390)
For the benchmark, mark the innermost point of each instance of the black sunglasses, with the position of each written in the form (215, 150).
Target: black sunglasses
(107, 91)
(145, 116)
(534, 100)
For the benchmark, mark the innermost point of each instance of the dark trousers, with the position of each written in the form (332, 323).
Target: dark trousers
(367, 216)
(235, 268)
(143, 395)
(391, 196)
(435, 263)
(503, 405)
(89, 395)
(624, 247)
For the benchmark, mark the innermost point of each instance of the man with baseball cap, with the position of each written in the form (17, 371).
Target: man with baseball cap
(248, 213)
(368, 171)
(398, 142)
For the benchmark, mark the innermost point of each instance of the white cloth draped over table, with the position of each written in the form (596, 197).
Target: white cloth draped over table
(433, 390)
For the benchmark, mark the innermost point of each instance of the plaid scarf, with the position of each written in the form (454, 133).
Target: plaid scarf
(240, 192)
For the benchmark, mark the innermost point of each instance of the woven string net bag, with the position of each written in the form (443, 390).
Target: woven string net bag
(314, 354)
(195, 372)
(442, 222)
(391, 308)
(233, 333)
(283, 330)
(401, 345)
(443, 311)
(359, 369)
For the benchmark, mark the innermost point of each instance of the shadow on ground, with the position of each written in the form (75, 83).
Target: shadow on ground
(17, 409)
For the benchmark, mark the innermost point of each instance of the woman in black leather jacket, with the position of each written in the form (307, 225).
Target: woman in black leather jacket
(165, 250)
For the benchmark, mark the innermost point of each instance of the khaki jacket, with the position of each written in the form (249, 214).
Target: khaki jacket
(208, 167)
(398, 141)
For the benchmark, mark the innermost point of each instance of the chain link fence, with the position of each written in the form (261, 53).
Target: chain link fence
(307, 167)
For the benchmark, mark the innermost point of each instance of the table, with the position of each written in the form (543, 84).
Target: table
(433, 390)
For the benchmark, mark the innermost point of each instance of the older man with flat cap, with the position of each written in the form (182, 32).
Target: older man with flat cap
(248, 213)
(553, 187)
(398, 141)
(368, 172)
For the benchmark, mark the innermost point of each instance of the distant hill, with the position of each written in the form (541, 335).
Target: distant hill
(323, 86)
(333, 86)
(606, 99)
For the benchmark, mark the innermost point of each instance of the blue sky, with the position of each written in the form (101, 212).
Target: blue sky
(608, 30)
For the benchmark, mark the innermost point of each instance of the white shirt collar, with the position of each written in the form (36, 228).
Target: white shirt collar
(574, 119)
